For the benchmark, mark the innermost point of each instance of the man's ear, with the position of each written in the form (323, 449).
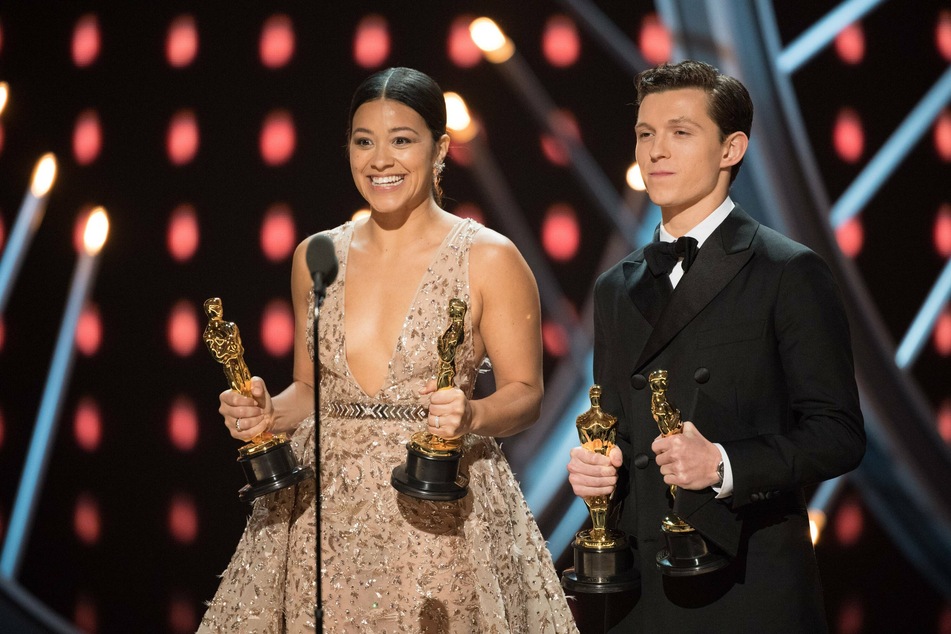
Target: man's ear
(734, 148)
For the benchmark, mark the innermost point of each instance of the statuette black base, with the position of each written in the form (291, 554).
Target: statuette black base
(602, 570)
(270, 470)
(425, 477)
(688, 555)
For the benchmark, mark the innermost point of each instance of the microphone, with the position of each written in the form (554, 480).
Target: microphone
(322, 262)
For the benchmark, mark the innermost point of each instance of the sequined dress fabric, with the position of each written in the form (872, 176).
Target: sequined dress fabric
(392, 563)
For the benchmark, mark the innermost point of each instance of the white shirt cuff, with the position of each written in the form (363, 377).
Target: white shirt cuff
(726, 490)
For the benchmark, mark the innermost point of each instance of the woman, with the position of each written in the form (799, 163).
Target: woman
(392, 563)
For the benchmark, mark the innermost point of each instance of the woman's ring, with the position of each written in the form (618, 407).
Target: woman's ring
(237, 424)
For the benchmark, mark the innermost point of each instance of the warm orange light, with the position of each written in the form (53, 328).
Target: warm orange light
(634, 178)
(817, 522)
(458, 119)
(359, 214)
(43, 175)
(4, 93)
(97, 230)
(491, 40)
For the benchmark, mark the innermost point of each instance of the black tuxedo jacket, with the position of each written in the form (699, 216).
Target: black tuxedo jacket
(756, 344)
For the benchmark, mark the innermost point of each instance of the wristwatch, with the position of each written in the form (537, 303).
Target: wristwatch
(719, 483)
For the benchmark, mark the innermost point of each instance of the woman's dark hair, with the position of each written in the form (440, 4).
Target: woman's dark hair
(411, 88)
(728, 101)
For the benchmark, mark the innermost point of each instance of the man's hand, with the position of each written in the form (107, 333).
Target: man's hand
(591, 473)
(687, 460)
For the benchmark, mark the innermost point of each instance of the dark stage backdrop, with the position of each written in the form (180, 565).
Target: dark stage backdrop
(213, 161)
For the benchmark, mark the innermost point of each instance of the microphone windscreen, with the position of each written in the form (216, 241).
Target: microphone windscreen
(322, 258)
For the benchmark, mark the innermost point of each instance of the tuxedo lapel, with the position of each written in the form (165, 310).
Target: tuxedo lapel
(722, 256)
(648, 293)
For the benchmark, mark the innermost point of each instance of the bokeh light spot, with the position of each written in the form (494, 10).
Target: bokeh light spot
(86, 40)
(848, 137)
(942, 332)
(654, 40)
(182, 138)
(86, 614)
(942, 230)
(851, 617)
(371, 43)
(849, 522)
(944, 420)
(87, 137)
(183, 233)
(942, 34)
(87, 520)
(278, 233)
(183, 519)
(850, 44)
(555, 339)
(560, 42)
(470, 210)
(276, 46)
(277, 328)
(183, 329)
(560, 233)
(942, 135)
(183, 424)
(851, 236)
(181, 43)
(87, 424)
(459, 47)
(552, 147)
(278, 137)
(89, 330)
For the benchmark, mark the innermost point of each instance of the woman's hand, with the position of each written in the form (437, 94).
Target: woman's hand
(247, 417)
(450, 415)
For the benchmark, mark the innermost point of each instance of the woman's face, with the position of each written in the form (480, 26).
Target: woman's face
(392, 155)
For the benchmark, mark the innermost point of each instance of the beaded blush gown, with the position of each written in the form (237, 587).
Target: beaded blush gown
(392, 563)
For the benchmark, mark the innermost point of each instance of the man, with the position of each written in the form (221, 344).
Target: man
(755, 342)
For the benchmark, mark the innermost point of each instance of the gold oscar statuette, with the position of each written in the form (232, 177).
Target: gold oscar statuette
(603, 558)
(268, 460)
(431, 471)
(686, 553)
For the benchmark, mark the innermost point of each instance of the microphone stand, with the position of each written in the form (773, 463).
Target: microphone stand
(320, 290)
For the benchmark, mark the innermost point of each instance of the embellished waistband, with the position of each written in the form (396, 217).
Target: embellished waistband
(378, 411)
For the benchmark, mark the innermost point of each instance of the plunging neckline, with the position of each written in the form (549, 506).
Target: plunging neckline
(388, 376)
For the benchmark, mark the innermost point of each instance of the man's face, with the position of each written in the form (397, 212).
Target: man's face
(679, 150)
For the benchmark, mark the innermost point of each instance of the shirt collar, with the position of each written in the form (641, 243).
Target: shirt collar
(705, 228)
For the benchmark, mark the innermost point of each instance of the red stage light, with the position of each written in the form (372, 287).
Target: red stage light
(849, 522)
(87, 425)
(851, 618)
(278, 233)
(86, 40)
(182, 140)
(276, 46)
(79, 227)
(183, 331)
(942, 135)
(942, 333)
(89, 330)
(470, 210)
(183, 233)
(560, 233)
(181, 615)
(183, 424)
(460, 48)
(278, 138)
(277, 328)
(850, 44)
(560, 42)
(654, 41)
(851, 236)
(183, 519)
(942, 34)
(371, 43)
(848, 137)
(181, 43)
(555, 339)
(87, 521)
(552, 147)
(460, 153)
(942, 230)
(944, 420)
(87, 137)
(86, 614)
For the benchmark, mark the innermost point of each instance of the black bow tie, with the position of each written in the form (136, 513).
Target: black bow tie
(662, 257)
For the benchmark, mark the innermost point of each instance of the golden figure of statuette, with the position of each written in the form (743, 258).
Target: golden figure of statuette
(597, 431)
